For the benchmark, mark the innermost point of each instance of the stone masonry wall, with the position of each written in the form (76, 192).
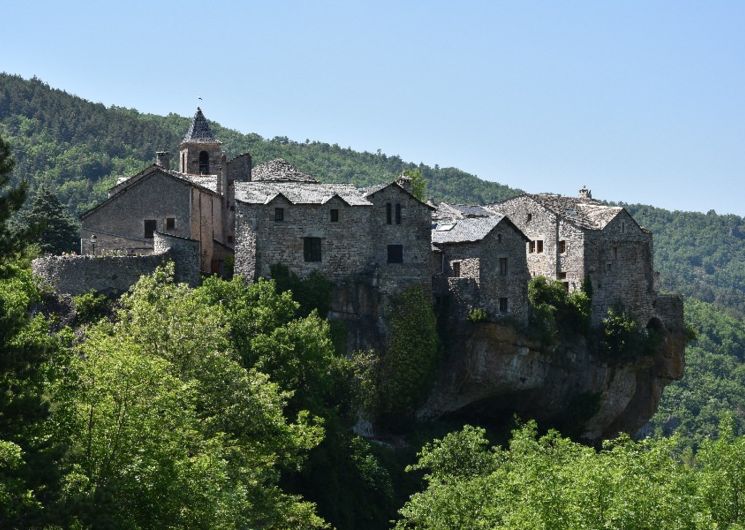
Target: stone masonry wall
(262, 242)
(120, 223)
(619, 263)
(113, 275)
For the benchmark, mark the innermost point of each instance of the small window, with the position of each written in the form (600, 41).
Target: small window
(615, 252)
(562, 275)
(610, 267)
(504, 306)
(539, 246)
(503, 266)
(398, 214)
(456, 268)
(562, 246)
(334, 215)
(230, 239)
(531, 247)
(388, 213)
(170, 223)
(312, 248)
(204, 162)
(529, 218)
(395, 254)
(499, 238)
(566, 286)
(279, 214)
(623, 226)
(151, 226)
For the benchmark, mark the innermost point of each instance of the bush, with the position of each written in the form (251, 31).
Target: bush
(622, 338)
(90, 307)
(555, 312)
(477, 315)
(311, 292)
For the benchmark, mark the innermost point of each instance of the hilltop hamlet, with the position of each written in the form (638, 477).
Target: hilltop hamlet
(212, 214)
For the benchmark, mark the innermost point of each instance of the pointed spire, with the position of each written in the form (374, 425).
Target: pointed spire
(199, 130)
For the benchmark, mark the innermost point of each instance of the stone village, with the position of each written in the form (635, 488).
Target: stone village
(371, 242)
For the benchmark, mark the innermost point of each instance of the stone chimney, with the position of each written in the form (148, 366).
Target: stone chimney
(222, 177)
(585, 193)
(163, 159)
(404, 182)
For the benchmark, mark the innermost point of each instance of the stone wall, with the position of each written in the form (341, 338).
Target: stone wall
(119, 224)
(619, 264)
(189, 155)
(113, 275)
(239, 168)
(479, 264)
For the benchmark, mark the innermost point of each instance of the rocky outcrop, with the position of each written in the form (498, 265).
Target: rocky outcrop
(492, 372)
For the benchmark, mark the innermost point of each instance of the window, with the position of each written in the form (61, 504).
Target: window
(562, 246)
(503, 305)
(623, 226)
(529, 218)
(230, 239)
(151, 225)
(183, 163)
(279, 214)
(204, 162)
(456, 268)
(562, 275)
(615, 252)
(334, 215)
(539, 246)
(395, 254)
(388, 213)
(499, 238)
(398, 214)
(312, 248)
(610, 267)
(503, 266)
(531, 247)
(170, 223)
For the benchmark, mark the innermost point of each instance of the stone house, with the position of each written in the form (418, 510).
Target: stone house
(284, 216)
(578, 239)
(195, 202)
(480, 262)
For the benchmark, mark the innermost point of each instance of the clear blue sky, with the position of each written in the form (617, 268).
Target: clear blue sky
(642, 101)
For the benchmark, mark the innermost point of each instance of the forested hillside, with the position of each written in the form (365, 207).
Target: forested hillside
(79, 148)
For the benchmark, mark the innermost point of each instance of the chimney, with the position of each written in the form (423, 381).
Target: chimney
(222, 176)
(163, 159)
(585, 193)
(404, 182)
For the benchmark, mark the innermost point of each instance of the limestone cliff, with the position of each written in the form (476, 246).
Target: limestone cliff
(491, 372)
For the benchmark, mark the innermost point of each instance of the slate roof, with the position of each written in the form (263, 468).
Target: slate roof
(584, 213)
(279, 170)
(460, 211)
(464, 230)
(199, 130)
(263, 192)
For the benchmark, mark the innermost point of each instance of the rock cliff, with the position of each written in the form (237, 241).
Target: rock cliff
(492, 372)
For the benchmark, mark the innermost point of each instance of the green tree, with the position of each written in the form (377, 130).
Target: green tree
(418, 184)
(55, 232)
(11, 200)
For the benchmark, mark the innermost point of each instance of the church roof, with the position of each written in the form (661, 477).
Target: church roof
(279, 170)
(199, 130)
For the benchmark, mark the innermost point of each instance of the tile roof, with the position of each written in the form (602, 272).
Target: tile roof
(584, 213)
(464, 230)
(199, 130)
(460, 211)
(279, 170)
(263, 192)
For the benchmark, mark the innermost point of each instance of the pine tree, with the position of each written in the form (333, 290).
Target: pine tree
(11, 200)
(55, 232)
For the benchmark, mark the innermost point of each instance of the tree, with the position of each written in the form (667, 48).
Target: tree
(11, 200)
(418, 184)
(54, 230)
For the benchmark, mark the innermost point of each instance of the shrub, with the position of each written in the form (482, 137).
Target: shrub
(90, 307)
(477, 314)
(556, 312)
(311, 292)
(622, 337)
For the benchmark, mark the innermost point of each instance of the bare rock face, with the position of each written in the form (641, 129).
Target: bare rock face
(492, 372)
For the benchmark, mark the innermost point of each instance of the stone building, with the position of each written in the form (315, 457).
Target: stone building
(284, 216)
(195, 202)
(480, 262)
(578, 239)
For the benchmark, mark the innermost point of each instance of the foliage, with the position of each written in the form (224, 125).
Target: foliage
(552, 482)
(477, 314)
(54, 230)
(418, 184)
(312, 292)
(556, 313)
(622, 337)
(11, 200)
(167, 429)
(409, 363)
(90, 306)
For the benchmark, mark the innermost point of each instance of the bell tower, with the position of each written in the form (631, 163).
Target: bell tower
(200, 152)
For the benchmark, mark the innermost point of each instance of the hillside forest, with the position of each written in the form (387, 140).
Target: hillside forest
(229, 405)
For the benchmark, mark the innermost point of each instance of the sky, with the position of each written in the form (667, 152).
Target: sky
(642, 101)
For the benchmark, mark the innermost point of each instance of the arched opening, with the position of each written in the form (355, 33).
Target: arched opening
(656, 325)
(204, 162)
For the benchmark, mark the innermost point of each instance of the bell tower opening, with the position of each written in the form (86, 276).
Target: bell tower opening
(204, 163)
